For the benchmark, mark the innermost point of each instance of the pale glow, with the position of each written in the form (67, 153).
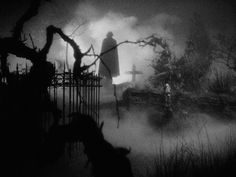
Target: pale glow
(121, 79)
(123, 28)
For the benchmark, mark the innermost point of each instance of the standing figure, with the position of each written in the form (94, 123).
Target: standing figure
(110, 59)
(167, 92)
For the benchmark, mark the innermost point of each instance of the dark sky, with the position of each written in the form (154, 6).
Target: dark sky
(216, 13)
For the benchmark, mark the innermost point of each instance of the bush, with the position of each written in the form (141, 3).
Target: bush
(221, 84)
(187, 161)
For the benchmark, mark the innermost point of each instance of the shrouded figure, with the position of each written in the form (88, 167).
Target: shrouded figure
(110, 58)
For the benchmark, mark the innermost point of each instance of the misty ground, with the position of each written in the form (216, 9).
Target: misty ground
(144, 129)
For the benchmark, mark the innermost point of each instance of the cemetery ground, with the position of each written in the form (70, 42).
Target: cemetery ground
(199, 140)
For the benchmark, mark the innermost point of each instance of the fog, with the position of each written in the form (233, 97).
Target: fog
(146, 132)
(124, 27)
(128, 21)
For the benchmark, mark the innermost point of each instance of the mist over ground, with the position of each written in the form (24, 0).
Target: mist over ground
(147, 133)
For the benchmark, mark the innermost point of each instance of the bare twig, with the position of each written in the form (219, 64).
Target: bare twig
(31, 39)
(82, 24)
(14, 45)
(148, 41)
(31, 12)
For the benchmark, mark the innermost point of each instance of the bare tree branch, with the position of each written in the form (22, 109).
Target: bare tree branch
(16, 46)
(32, 42)
(31, 12)
(10, 45)
(148, 41)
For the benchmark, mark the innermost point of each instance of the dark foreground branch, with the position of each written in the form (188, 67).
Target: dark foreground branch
(31, 12)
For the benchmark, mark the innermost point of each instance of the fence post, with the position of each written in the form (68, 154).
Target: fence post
(63, 93)
(69, 92)
(17, 71)
(26, 68)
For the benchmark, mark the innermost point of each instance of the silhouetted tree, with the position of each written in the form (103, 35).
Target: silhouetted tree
(187, 71)
(224, 50)
(197, 54)
(25, 100)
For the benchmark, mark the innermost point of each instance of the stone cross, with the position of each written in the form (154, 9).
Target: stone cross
(134, 72)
